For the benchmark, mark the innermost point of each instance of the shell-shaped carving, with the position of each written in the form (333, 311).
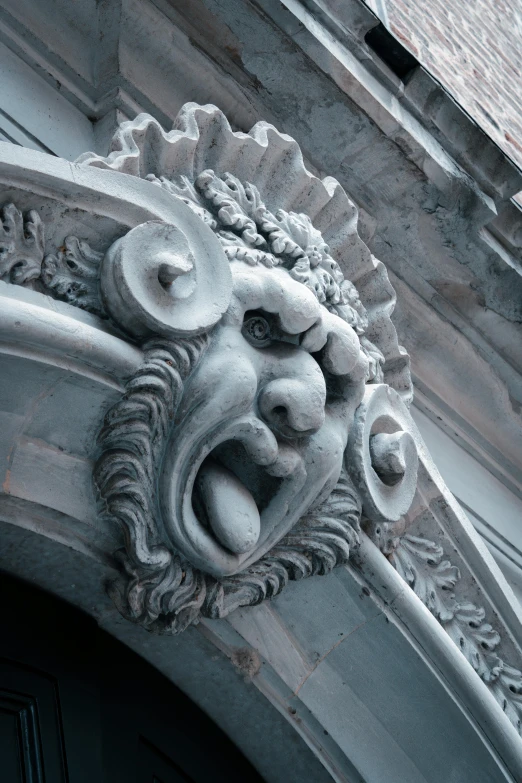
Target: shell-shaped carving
(203, 140)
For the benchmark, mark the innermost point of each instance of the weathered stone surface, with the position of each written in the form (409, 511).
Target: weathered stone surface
(474, 49)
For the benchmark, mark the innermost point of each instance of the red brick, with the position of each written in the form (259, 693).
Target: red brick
(474, 48)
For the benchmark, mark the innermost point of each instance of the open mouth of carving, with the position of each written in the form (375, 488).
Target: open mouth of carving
(230, 494)
(237, 482)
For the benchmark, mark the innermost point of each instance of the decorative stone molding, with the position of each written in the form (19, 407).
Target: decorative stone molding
(262, 415)
(422, 564)
(252, 491)
(404, 480)
(108, 356)
(262, 316)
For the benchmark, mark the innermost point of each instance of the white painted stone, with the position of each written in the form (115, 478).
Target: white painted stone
(172, 280)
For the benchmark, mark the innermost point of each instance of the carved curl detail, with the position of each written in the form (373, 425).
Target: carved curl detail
(21, 245)
(250, 232)
(422, 564)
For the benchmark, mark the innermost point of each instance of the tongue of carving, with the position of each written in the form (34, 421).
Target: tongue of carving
(231, 510)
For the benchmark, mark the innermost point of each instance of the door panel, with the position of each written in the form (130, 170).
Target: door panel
(76, 706)
(31, 746)
(155, 767)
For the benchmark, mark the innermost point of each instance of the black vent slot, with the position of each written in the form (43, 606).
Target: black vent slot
(397, 58)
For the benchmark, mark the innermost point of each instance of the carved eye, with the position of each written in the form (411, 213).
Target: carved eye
(256, 329)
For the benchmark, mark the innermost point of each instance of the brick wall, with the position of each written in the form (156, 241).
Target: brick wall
(474, 48)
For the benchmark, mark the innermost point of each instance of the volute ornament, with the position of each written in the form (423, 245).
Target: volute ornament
(168, 280)
(383, 454)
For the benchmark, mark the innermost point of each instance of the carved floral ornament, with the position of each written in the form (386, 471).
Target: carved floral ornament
(270, 414)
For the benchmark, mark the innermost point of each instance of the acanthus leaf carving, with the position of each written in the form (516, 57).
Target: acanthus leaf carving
(21, 245)
(73, 274)
(422, 564)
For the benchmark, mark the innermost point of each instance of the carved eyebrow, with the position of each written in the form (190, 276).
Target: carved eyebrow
(295, 306)
(338, 342)
(296, 337)
(329, 340)
(279, 332)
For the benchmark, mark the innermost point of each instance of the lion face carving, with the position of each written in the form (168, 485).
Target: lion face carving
(224, 462)
(263, 423)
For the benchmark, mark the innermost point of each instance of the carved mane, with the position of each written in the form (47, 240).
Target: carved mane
(158, 587)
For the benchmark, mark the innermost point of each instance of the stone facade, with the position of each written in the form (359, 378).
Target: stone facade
(206, 412)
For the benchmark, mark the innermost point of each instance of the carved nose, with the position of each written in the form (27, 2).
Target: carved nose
(292, 407)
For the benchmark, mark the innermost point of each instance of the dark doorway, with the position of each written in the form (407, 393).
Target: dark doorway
(76, 706)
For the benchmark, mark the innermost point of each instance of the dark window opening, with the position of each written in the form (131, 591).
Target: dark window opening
(391, 51)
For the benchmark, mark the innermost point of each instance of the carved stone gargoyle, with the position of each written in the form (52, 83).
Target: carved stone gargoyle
(228, 462)
(260, 432)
